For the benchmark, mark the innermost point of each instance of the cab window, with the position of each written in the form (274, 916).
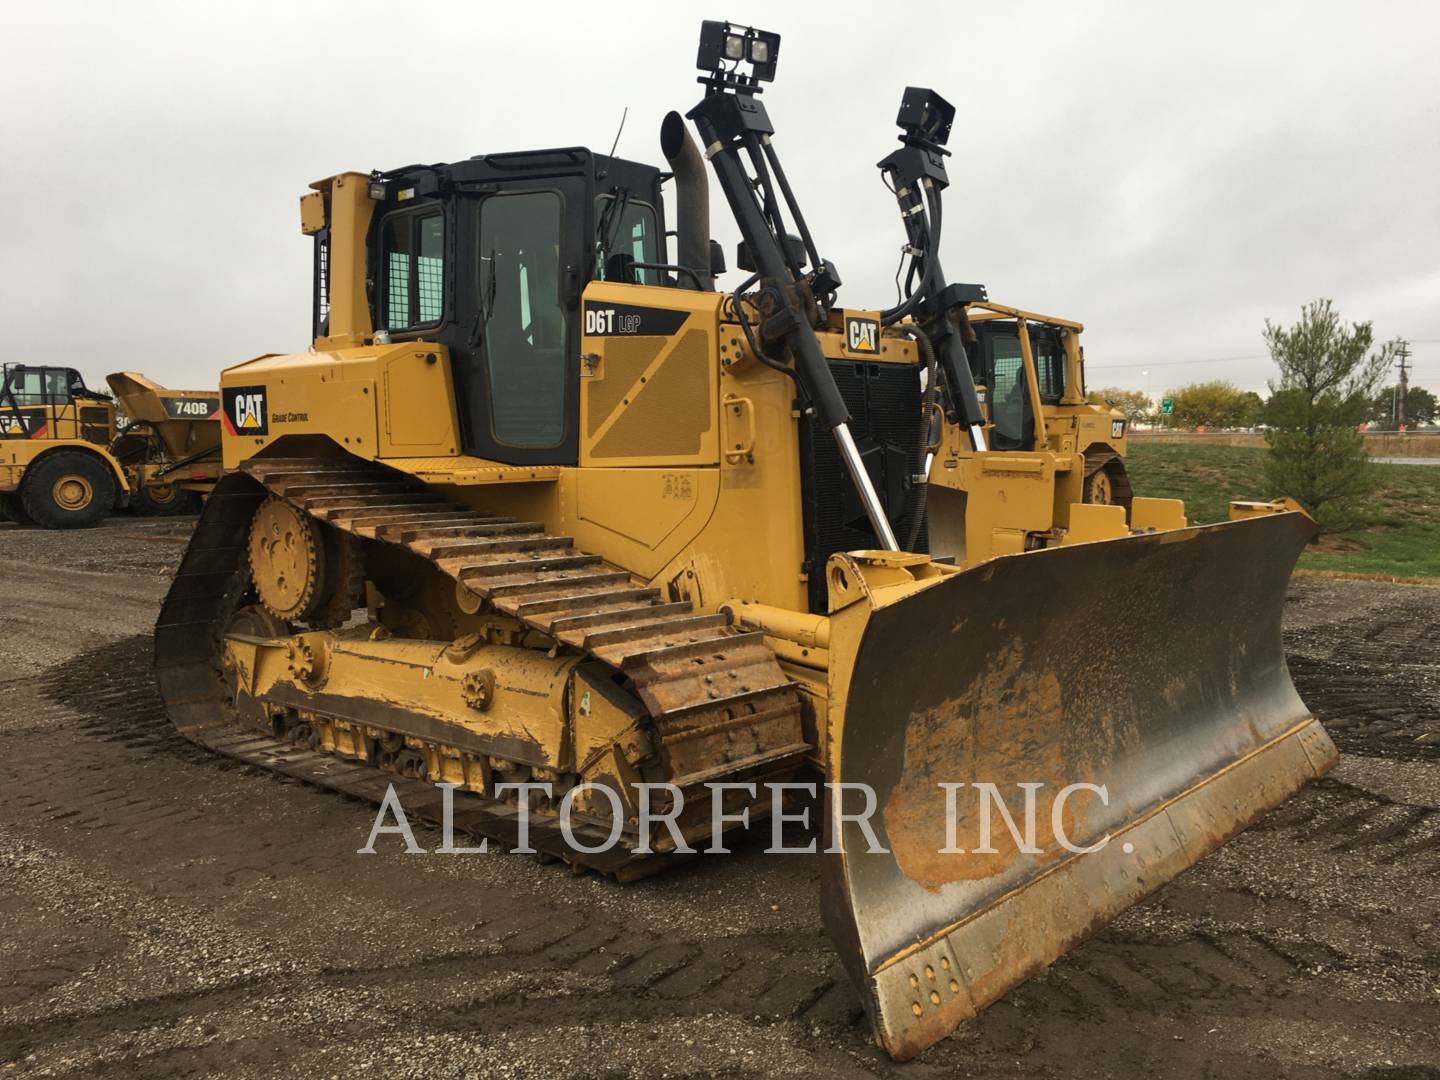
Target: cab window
(29, 387)
(1009, 396)
(42, 386)
(524, 320)
(57, 386)
(626, 227)
(413, 255)
(1049, 352)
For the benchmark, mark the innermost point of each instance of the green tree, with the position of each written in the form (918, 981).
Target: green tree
(1254, 408)
(1213, 404)
(1326, 389)
(1420, 407)
(1133, 403)
(1277, 406)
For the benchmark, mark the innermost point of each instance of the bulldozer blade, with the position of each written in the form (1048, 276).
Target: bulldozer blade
(1150, 666)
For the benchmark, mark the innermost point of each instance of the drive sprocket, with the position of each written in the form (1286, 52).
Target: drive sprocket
(287, 560)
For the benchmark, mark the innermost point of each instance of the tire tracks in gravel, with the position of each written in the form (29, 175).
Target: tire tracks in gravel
(109, 775)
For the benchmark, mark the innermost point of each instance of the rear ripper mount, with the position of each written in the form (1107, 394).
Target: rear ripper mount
(693, 674)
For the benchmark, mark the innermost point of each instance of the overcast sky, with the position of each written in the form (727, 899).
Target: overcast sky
(1170, 174)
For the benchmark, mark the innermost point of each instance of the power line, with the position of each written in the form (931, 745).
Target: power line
(1222, 359)
(1180, 363)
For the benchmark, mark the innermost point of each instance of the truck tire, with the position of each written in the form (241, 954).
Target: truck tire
(68, 490)
(12, 509)
(162, 501)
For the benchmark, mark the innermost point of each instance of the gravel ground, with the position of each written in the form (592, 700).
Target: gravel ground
(165, 912)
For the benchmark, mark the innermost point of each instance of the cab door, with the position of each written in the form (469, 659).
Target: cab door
(521, 267)
(1008, 391)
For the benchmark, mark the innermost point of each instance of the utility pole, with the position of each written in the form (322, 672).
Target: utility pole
(1404, 356)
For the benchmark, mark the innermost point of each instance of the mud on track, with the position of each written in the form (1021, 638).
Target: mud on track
(164, 912)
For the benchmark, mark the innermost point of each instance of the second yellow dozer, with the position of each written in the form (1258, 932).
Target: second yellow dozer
(544, 516)
(1030, 368)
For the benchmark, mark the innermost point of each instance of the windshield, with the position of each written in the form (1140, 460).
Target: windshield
(39, 386)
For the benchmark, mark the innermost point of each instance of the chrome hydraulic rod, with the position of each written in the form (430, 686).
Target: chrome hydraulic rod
(861, 477)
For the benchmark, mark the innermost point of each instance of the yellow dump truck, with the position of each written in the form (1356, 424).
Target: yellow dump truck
(170, 445)
(64, 463)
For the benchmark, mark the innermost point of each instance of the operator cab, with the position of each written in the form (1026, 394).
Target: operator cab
(33, 395)
(27, 384)
(998, 365)
(489, 258)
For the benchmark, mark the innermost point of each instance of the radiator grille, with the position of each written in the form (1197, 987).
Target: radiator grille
(884, 404)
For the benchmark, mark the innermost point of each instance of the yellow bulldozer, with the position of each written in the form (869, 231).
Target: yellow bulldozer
(65, 461)
(1030, 369)
(547, 531)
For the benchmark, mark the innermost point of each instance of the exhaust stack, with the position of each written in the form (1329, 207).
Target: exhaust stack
(692, 192)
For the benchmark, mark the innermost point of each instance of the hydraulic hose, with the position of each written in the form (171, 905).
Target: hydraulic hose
(936, 221)
(923, 453)
(756, 150)
(927, 252)
(753, 342)
(789, 197)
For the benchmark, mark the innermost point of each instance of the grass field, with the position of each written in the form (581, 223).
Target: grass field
(1401, 539)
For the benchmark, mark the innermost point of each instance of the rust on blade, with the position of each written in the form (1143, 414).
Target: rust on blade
(1006, 737)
